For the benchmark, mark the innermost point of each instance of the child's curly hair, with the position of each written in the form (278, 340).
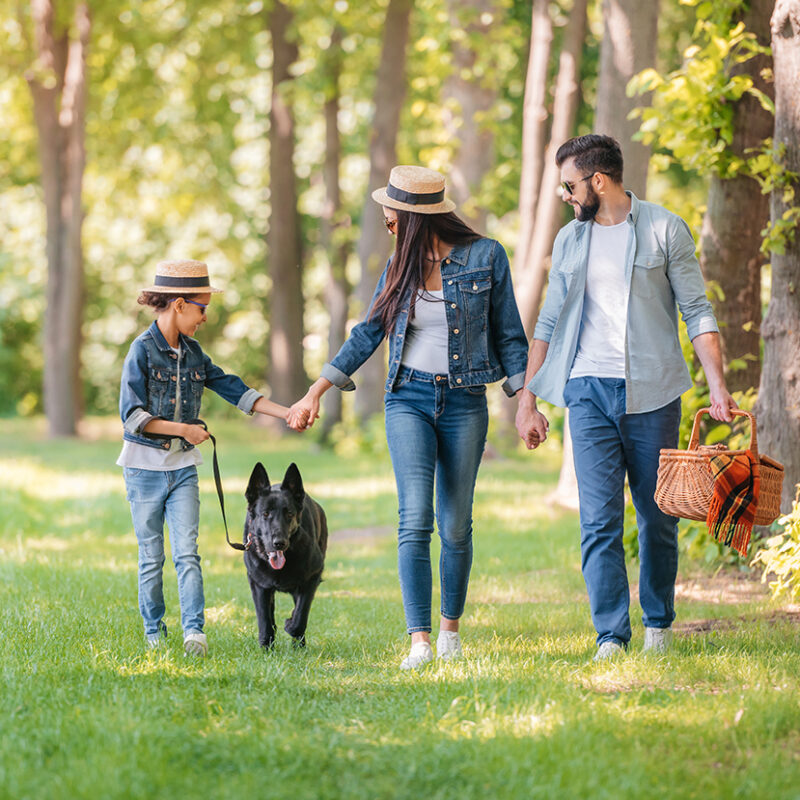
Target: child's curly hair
(159, 301)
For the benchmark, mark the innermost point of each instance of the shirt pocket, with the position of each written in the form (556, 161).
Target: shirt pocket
(649, 278)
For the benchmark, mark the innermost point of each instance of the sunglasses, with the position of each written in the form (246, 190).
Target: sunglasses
(569, 186)
(194, 303)
(390, 224)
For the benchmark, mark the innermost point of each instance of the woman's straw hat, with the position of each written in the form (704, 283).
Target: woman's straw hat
(182, 277)
(416, 189)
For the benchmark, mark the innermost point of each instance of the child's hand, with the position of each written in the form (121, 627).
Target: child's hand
(195, 434)
(303, 413)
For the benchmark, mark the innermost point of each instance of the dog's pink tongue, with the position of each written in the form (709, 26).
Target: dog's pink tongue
(277, 559)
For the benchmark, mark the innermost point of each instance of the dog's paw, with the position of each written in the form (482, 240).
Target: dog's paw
(298, 635)
(267, 644)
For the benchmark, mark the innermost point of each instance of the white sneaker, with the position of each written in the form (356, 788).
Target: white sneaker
(421, 654)
(158, 639)
(448, 646)
(608, 651)
(195, 644)
(659, 640)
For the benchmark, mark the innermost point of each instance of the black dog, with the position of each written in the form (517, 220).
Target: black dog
(288, 536)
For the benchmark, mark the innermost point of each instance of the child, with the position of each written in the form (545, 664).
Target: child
(162, 384)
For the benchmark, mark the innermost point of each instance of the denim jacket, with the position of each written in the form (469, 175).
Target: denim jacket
(486, 340)
(149, 381)
(660, 270)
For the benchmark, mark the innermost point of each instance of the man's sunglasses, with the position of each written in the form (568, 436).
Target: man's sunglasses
(390, 224)
(569, 186)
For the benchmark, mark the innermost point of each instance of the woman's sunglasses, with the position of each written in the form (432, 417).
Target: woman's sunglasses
(390, 224)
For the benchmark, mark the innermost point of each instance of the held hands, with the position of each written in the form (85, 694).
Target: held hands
(303, 413)
(532, 425)
(195, 434)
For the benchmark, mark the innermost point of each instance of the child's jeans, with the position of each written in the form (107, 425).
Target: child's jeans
(175, 495)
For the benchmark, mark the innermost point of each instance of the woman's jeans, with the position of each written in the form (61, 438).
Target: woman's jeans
(435, 434)
(607, 443)
(173, 495)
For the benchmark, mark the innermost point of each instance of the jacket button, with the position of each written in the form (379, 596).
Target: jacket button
(474, 287)
(449, 283)
(458, 380)
(455, 330)
(447, 261)
(452, 305)
(455, 357)
(174, 378)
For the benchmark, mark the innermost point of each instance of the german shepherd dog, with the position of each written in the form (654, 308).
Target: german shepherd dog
(288, 536)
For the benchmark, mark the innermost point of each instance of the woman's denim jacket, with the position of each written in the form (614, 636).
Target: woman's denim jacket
(149, 381)
(486, 340)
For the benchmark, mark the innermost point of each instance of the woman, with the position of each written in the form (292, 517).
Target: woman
(446, 302)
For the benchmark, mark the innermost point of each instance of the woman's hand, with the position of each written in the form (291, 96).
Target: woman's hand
(303, 413)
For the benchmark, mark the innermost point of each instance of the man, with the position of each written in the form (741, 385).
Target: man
(606, 346)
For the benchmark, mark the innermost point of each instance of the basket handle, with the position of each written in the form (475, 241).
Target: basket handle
(694, 441)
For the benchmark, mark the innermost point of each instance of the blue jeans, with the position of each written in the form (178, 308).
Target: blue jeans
(173, 495)
(607, 443)
(435, 434)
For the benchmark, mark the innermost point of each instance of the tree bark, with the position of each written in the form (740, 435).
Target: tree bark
(534, 129)
(473, 97)
(736, 214)
(549, 212)
(286, 374)
(337, 289)
(630, 35)
(58, 85)
(374, 245)
(779, 394)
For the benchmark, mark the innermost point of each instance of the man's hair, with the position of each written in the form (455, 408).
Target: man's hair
(593, 153)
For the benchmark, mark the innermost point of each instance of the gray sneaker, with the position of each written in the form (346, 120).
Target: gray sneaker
(195, 644)
(658, 640)
(608, 651)
(153, 641)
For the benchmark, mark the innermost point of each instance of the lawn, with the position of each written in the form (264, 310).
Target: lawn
(87, 713)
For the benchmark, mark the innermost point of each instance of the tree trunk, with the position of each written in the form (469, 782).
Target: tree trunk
(58, 86)
(630, 35)
(286, 375)
(534, 129)
(779, 395)
(549, 213)
(337, 290)
(736, 214)
(474, 156)
(374, 245)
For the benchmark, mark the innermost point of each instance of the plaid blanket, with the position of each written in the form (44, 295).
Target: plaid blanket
(734, 500)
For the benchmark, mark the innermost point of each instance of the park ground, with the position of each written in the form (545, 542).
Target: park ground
(88, 713)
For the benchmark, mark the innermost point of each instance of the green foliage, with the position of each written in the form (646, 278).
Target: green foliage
(781, 556)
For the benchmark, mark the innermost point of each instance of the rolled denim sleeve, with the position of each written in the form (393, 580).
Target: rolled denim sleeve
(686, 279)
(508, 334)
(229, 387)
(359, 346)
(133, 390)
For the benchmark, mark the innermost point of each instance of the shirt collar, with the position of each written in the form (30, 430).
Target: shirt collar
(161, 342)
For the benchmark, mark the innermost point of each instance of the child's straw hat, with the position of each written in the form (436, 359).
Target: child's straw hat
(416, 189)
(182, 277)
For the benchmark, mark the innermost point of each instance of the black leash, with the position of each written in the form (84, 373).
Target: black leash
(217, 480)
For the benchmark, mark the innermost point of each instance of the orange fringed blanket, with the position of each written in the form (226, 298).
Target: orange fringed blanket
(735, 499)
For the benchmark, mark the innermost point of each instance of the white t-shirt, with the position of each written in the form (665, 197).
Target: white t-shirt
(425, 346)
(601, 343)
(140, 456)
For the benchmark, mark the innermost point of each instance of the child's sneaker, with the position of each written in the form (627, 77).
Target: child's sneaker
(421, 654)
(153, 641)
(448, 646)
(195, 644)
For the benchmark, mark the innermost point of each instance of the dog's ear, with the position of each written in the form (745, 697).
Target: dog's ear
(259, 483)
(293, 483)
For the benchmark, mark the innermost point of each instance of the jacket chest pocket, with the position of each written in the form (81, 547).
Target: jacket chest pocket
(475, 293)
(158, 393)
(197, 382)
(649, 278)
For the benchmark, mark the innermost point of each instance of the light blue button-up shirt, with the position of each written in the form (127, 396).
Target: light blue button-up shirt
(660, 270)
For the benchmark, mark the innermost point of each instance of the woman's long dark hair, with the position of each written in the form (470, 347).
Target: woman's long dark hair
(416, 234)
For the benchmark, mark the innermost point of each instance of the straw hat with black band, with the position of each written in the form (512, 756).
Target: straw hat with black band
(416, 189)
(182, 277)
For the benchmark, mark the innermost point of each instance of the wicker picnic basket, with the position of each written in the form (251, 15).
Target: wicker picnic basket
(685, 482)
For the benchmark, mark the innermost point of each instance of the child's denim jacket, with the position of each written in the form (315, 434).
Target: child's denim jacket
(149, 381)
(486, 340)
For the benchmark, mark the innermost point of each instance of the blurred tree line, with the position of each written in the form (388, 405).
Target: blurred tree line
(250, 134)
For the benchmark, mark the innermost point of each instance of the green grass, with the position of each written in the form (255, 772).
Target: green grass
(86, 712)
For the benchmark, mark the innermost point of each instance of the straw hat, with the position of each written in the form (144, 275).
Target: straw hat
(416, 189)
(182, 277)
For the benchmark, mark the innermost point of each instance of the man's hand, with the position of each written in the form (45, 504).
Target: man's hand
(532, 425)
(721, 405)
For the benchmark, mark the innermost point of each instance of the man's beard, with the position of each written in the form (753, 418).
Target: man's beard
(588, 211)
